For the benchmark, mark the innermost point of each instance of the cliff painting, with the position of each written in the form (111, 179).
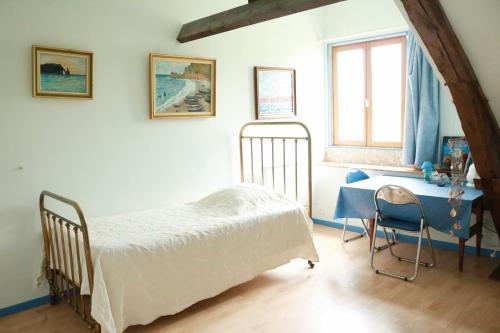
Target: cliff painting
(182, 87)
(62, 73)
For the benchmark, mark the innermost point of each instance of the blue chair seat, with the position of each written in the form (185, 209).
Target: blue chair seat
(393, 223)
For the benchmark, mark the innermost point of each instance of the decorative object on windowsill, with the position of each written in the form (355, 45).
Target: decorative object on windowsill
(274, 92)
(471, 175)
(427, 168)
(457, 146)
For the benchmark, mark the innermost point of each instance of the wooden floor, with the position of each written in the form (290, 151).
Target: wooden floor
(341, 294)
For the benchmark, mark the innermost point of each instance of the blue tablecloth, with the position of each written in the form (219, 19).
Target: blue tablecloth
(356, 201)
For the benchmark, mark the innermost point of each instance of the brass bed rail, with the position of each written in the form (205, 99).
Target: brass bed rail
(273, 141)
(63, 258)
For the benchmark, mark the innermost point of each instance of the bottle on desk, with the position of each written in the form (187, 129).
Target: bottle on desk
(427, 168)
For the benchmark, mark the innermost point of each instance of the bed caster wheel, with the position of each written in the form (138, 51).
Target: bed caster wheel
(399, 258)
(311, 264)
(406, 279)
(376, 271)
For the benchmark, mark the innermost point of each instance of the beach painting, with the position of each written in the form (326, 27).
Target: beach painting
(61, 72)
(274, 92)
(181, 87)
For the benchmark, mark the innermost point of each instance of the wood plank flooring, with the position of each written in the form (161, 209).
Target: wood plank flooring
(341, 294)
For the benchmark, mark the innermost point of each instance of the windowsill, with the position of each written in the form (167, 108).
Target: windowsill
(365, 155)
(388, 168)
(364, 147)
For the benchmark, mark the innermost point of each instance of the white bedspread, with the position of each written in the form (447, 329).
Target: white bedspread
(158, 262)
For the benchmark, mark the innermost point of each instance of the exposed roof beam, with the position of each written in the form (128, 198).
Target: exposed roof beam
(255, 11)
(477, 119)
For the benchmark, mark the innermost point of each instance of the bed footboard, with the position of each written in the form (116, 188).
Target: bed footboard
(280, 147)
(67, 256)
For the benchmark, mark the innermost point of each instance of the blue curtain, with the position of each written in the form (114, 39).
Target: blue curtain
(421, 135)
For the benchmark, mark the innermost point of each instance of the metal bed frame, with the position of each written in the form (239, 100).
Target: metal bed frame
(59, 242)
(65, 239)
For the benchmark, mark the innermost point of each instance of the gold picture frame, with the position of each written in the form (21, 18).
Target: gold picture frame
(275, 92)
(181, 87)
(62, 72)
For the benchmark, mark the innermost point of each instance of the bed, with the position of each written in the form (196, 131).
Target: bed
(133, 268)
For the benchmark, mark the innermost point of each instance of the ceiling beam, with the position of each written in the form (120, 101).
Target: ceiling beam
(477, 119)
(255, 11)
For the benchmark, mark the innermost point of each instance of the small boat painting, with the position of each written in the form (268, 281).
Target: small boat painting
(179, 86)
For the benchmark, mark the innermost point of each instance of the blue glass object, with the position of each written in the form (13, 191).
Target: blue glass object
(427, 168)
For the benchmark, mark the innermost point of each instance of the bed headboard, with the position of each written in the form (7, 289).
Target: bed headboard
(276, 153)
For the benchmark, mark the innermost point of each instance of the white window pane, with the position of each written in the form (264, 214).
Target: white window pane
(386, 93)
(351, 95)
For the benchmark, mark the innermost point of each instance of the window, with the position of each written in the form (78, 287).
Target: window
(369, 93)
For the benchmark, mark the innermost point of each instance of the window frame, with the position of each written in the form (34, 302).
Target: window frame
(367, 45)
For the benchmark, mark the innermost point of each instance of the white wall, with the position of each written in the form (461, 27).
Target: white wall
(105, 153)
(352, 18)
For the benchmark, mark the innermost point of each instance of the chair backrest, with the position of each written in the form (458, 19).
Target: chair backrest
(396, 195)
(355, 175)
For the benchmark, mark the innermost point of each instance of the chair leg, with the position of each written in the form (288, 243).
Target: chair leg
(386, 246)
(394, 237)
(354, 237)
(372, 250)
(399, 258)
(417, 258)
(364, 226)
(432, 248)
(389, 243)
(378, 271)
(416, 261)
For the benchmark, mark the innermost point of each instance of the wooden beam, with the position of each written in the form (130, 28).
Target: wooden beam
(255, 11)
(477, 119)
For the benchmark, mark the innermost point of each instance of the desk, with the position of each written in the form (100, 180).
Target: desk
(356, 201)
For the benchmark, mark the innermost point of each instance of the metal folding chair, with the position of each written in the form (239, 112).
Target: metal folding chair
(352, 176)
(355, 175)
(397, 195)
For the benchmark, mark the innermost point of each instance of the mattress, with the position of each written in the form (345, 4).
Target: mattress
(158, 262)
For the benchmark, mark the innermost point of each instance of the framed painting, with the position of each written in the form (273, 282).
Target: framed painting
(446, 150)
(181, 87)
(61, 72)
(274, 92)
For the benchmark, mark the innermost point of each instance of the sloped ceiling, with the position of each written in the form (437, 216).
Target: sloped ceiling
(477, 26)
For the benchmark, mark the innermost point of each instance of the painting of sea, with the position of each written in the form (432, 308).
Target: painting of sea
(274, 92)
(61, 72)
(181, 87)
